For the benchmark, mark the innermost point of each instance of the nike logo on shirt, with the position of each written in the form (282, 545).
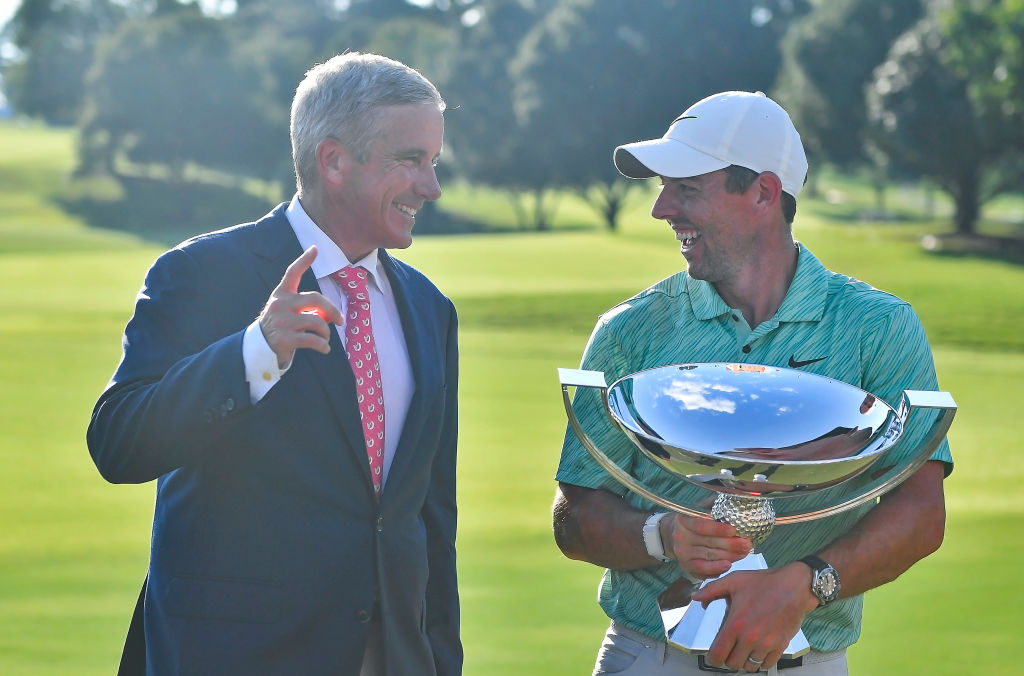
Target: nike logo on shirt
(794, 364)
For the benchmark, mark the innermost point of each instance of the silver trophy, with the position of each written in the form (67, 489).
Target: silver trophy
(757, 436)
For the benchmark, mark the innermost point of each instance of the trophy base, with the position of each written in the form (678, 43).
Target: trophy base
(693, 628)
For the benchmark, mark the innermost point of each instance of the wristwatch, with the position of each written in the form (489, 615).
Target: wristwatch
(825, 583)
(652, 537)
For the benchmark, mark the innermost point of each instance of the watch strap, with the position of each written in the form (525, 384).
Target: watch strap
(652, 537)
(816, 563)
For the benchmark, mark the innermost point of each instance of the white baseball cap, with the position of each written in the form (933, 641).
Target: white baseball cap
(743, 128)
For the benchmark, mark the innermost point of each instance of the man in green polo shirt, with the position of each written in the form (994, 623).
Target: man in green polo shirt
(731, 168)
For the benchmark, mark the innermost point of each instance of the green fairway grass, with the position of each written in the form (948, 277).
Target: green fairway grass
(73, 549)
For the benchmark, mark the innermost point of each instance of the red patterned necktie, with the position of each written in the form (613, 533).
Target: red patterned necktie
(362, 356)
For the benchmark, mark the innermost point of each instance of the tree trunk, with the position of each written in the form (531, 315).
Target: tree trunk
(968, 204)
(929, 200)
(516, 197)
(540, 217)
(812, 188)
(607, 199)
(879, 180)
(611, 212)
(542, 214)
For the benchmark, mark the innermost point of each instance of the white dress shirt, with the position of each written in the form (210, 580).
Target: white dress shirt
(261, 367)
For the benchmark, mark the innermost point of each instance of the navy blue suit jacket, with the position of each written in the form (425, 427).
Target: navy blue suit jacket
(268, 546)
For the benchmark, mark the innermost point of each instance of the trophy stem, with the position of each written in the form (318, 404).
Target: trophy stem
(693, 628)
(752, 517)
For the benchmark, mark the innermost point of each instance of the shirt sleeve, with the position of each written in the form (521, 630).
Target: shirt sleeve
(603, 353)
(261, 370)
(899, 358)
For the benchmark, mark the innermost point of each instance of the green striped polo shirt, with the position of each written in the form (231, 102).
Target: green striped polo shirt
(855, 333)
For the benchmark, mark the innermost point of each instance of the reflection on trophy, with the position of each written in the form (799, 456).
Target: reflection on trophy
(756, 436)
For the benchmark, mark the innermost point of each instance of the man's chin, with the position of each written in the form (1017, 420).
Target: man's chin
(399, 242)
(696, 271)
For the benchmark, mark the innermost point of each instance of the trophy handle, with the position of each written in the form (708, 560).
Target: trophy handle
(912, 400)
(595, 379)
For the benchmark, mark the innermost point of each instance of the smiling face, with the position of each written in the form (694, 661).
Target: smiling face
(374, 203)
(713, 226)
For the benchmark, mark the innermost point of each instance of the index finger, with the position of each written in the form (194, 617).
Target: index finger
(297, 268)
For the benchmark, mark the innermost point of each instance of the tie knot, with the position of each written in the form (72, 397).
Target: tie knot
(352, 279)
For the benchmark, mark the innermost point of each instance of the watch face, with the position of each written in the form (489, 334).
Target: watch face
(827, 585)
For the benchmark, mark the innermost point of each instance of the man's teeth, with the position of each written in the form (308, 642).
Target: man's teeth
(406, 210)
(687, 237)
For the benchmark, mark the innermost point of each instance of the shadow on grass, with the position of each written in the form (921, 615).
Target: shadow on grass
(857, 215)
(989, 247)
(168, 212)
(165, 212)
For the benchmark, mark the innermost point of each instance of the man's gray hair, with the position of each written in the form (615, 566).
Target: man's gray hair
(341, 99)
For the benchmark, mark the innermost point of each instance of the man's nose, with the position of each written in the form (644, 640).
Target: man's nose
(664, 206)
(428, 187)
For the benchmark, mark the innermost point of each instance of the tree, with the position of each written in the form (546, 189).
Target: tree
(168, 90)
(593, 75)
(282, 39)
(924, 119)
(486, 141)
(421, 43)
(993, 68)
(828, 61)
(56, 42)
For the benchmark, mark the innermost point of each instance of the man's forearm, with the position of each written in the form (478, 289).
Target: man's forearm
(906, 526)
(599, 527)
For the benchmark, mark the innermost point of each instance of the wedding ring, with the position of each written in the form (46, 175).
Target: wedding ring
(756, 663)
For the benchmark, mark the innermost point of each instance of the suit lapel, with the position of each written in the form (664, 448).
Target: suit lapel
(419, 360)
(277, 248)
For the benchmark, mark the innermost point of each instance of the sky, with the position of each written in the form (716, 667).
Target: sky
(7, 9)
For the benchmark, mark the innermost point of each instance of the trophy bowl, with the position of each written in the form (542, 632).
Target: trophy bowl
(756, 435)
(754, 430)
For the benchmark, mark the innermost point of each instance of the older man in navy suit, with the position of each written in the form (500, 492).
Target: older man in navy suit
(293, 390)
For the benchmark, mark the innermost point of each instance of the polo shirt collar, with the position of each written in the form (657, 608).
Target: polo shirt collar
(704, 300)
(804, 301)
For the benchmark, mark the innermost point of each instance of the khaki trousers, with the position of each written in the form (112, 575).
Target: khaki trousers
(631, 653)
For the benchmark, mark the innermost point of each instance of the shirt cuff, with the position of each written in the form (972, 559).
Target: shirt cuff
(261, 370)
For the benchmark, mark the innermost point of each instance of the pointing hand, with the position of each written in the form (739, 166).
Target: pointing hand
(293, 320)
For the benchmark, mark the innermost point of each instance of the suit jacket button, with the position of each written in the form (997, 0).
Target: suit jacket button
(363, 616)
(229, 405)
(380, 524)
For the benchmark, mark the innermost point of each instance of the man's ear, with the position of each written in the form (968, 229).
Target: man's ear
(332, 161)
(768, 190)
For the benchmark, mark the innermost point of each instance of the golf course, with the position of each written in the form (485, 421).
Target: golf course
(74, 549)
